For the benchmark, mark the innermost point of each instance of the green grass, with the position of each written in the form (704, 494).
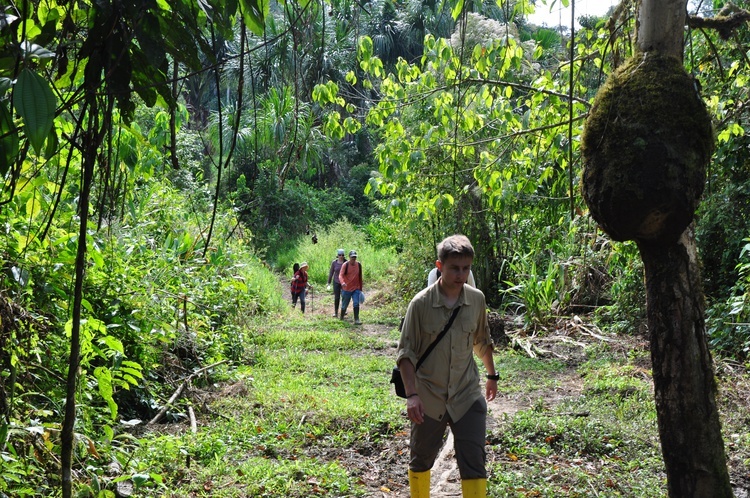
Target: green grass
(317, 387)
(314, 387)
(603, 442)
(520, 373)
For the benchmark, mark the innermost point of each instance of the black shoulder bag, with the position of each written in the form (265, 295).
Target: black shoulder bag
(396, 379)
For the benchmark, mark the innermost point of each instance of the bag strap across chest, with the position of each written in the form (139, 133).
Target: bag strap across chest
(435, 342)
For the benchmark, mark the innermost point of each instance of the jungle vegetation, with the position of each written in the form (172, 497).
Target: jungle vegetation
(163, 162)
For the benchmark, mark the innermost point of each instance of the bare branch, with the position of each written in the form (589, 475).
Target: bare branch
(725, 23)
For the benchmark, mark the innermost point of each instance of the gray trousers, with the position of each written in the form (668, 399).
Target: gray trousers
(469, 436)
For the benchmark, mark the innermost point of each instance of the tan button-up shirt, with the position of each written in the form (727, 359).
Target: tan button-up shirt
(448, 380)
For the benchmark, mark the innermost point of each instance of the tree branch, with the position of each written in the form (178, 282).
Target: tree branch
(179, 390)
(725, 23)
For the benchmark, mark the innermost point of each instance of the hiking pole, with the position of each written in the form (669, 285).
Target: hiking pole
(312, 299)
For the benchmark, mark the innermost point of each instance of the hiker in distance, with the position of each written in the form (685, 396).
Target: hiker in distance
(295, 295)
(435, 274)
(300, 286)
(445, 391)
(350, 277)
(333, 276)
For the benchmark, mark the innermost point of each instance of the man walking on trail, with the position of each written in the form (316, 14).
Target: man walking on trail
(445, 391)
(350, 277)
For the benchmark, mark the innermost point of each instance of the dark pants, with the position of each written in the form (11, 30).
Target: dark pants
(336, 297)
(469, 436)
(301, 296)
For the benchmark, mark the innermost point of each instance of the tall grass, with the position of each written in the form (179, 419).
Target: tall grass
(377, 262)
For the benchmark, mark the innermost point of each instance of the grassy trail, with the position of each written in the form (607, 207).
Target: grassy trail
(306, 410)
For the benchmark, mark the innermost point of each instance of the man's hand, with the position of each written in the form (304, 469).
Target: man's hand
(328, 287)
(490, 390)
(415, 409)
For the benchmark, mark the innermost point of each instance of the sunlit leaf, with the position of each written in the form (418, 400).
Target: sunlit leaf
(255, 13)
(32, 50)
(104, 381)
(35, 103)
(113, 343)
(457, 9)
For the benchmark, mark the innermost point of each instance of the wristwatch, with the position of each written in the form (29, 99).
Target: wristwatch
(493, 377)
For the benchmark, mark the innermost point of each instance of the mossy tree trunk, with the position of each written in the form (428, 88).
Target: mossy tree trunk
(688, 419)
(684, 386)
(646, 146)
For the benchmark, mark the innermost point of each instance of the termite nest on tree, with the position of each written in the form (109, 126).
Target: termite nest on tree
(646, 145)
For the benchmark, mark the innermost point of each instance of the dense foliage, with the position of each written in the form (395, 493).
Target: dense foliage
(160, 159)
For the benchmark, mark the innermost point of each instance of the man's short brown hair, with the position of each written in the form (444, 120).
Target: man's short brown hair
(455, 245)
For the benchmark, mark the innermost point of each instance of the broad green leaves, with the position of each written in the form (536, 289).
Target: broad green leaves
(35, 103)
(367, 61)
(255, 12)
(487, 128)
(333, 126)
(98, 346)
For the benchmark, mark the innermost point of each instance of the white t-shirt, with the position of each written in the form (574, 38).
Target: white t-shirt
(432, 278)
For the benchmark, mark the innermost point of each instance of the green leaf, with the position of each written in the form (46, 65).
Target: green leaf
(87, 305)
(33, 50)
(365, 49)
(33, 207)
(457, 9)
(254, 12)
(96, 256)
(113, 343)
(35, 103)
(148, 34)
(5, 83)
(351, 125)
(52, 144)
(104, 379)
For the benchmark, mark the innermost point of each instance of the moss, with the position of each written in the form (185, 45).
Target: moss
(646, 146)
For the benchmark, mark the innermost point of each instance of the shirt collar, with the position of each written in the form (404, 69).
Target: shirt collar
(438, 301)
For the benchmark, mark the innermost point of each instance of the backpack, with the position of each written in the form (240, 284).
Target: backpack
(346, 269)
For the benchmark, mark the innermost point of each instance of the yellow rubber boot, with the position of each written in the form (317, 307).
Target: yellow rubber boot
(419, 484)
(474, 488)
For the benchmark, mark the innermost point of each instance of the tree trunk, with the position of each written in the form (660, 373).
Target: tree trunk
(689, 426)
(660, 26)
(67, 434)
(174, 109)
(684, 386)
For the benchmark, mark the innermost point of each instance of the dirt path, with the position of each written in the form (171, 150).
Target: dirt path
(391, 479)
(382, 468)
(385, 472)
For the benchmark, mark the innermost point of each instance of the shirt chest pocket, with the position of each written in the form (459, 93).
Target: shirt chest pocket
(460, 336)
(464, 338)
